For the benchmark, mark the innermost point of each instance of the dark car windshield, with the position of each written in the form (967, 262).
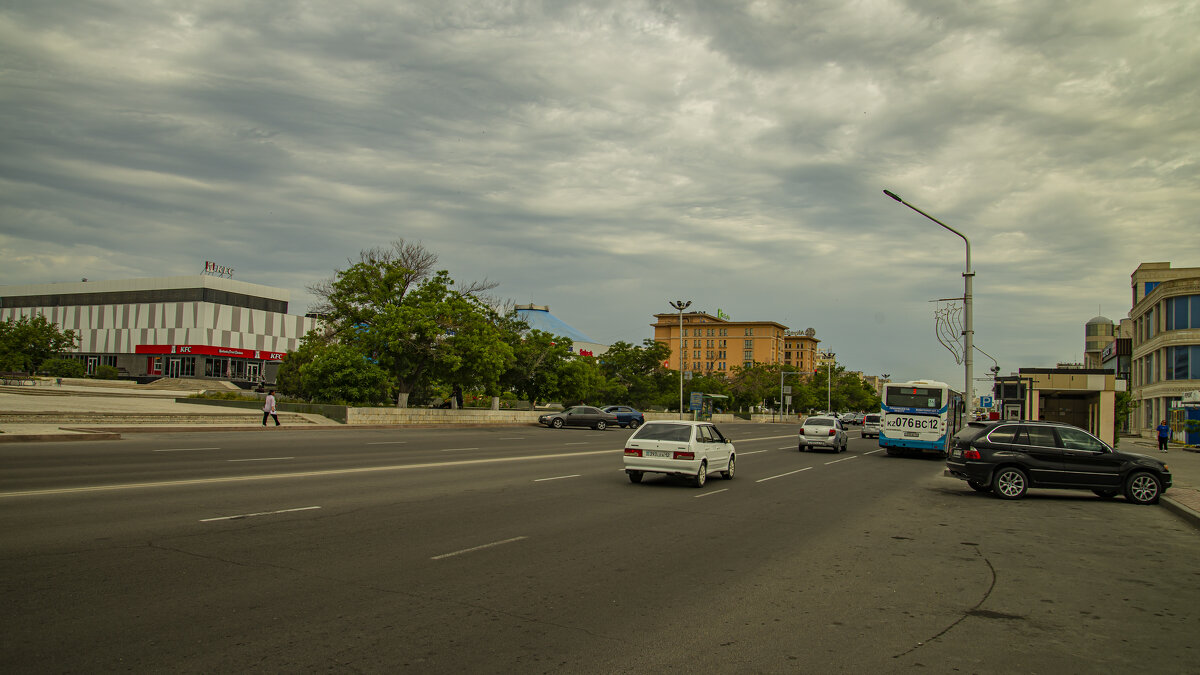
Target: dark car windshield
(871, 418)
(664, 432)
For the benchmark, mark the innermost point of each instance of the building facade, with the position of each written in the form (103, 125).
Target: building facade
(1165, 345)
(189, 326)
(714, 345)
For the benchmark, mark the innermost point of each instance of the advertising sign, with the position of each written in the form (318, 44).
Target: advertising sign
(697, 401)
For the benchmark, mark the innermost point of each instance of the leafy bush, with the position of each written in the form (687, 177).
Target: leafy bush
(63, 368)
(107, 372)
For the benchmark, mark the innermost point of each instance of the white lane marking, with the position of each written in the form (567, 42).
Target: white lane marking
(387, 443)
(184, 449)
(301, 474)
(765, 438)
(513, 438)
(841, 460)
(872, 452)
(259, 459)
(454, 449)
(763, 480)
(260, 513)
(786, 447)
(539, 480)
(477, 548)
(580, 443)
(710, 493)
(755, 452)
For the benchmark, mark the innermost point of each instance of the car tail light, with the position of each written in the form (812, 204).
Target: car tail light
(685, 455)
(971, 453)
(832, 432)
(633, 452)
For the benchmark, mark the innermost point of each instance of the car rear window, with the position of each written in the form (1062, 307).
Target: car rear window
(664, 432)
(818, 422)
(871, 418)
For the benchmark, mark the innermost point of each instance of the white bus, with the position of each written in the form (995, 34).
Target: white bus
(921, 416)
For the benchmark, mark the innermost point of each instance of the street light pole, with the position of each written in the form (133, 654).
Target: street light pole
(968, 323)
(681, 305)
(829, 357)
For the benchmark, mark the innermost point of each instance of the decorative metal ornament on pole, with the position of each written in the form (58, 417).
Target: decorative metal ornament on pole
(968, 325)
(681, 305)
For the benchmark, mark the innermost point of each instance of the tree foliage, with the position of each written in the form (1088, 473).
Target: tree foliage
(26, 343)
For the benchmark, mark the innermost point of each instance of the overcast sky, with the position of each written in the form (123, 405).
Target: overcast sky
(605, 158)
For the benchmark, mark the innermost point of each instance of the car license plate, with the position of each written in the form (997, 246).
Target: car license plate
(913, 434)
(656, 453)
(957, 452)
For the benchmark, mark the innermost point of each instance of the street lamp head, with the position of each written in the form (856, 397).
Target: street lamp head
(893, 195)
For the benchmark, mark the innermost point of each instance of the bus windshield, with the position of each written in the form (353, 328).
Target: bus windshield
(914, 397)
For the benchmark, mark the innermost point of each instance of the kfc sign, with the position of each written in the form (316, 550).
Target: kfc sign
(586, 352)
(213, 269)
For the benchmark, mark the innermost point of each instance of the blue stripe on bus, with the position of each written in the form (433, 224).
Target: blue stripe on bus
(888, 442)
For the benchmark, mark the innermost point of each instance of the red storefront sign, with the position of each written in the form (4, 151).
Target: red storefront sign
(206, 350)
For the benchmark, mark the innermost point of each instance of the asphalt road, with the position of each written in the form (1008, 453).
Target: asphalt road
(527, 550)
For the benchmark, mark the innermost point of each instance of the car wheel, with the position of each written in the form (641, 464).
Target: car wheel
(634, 476)
(802, 448)
(1106, 494)
(979, 487)
(600, 426)
(633, 424)
(557, 423)
(1143, 488)
(1010, 483)
(727, 474)
(701, 476)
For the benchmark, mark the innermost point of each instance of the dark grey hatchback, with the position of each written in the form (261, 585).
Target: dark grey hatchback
(1009, 457)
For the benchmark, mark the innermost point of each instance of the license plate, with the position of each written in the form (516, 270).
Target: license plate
(912, 434)
(956, 453)
(656, 453)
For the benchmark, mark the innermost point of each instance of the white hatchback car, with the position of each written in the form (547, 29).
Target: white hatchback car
(691, 449)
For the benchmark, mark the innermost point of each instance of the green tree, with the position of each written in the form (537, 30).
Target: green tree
(343, 374)
(754, 384)
(581, 381)
(27, 342)
(538, 358)
(288, 379)
(636, 375)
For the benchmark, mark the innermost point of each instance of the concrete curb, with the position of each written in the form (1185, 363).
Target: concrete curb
(114, 433)
(1189, 515)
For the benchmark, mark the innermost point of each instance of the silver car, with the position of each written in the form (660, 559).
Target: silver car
(823, 431)
(871, 425)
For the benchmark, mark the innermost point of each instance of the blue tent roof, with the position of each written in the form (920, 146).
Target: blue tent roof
(541, 319)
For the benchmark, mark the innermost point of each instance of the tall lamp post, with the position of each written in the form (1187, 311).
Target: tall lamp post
(681, 305)
(829, 357)
(968, 326)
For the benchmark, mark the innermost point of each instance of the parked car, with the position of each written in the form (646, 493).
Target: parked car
(579, 416)
(626, 416)
(1008, 457)
(822, 431)
(679, 448)
(871, 425)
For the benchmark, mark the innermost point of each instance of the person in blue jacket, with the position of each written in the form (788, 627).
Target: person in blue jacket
(1164, 432)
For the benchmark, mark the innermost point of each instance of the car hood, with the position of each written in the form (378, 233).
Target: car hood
(1142, 459)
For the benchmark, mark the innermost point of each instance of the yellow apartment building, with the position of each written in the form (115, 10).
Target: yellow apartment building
(714, 345)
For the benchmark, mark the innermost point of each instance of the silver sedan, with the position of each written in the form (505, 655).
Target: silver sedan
(822, 431)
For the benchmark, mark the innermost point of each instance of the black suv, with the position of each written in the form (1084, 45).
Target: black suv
(1009, 457)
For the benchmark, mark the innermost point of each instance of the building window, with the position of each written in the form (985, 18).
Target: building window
(748, 355)
(748, 344)
(1183, 312)
(749, 331)
(1183, 363)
